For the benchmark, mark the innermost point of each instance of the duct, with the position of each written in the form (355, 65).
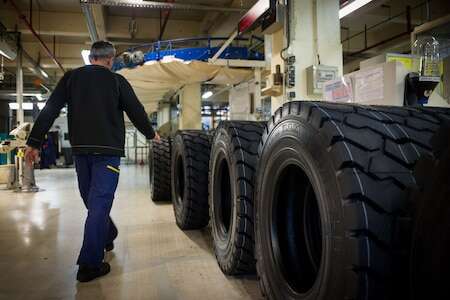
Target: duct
(35, 67)
(162, 5)
(6, 42)
(87, 11)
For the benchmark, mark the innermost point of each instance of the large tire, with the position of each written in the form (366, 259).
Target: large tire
(430, 245)
(234, 156)
(332, 200)
(159, 171)
(190, 161)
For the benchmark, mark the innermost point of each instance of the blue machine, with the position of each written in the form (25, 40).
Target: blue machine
(158, 50)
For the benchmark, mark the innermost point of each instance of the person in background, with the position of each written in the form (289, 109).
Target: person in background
(96, 99)
(48, 153)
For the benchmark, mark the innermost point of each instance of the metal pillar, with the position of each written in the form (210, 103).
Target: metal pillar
(258, 96)
(19, 88)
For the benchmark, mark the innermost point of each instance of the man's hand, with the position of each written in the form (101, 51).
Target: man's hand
(157, 138)
(31, 155)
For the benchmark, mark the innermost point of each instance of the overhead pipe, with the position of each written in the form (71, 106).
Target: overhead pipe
(87, 11)
(35, 67)
(38, 37)
(162, 5)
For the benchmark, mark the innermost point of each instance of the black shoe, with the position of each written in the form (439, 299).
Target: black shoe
(109, 247)
(86, 273)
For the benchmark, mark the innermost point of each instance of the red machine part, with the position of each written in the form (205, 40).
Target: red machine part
(253, 15)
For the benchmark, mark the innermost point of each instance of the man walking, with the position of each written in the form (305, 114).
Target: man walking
(96, 99)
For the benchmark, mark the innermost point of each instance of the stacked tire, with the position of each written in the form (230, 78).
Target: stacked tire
(189, 166)
(232, 166)
(159, 170)
(431, 232)
(332, 212)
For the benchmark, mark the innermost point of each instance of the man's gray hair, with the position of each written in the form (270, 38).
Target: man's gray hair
(101, 50)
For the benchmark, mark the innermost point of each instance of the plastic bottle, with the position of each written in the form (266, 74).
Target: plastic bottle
(426, 55)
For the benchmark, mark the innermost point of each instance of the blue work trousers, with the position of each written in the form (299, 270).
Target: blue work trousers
(98, 177)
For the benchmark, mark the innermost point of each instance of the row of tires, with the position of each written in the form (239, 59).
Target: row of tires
(316, 201)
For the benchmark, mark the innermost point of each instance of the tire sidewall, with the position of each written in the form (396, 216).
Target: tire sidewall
(178, 152)
(222, 149)
(291, 137)
(151, 169)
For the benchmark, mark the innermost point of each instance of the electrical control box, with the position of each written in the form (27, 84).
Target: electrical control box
(317, 75)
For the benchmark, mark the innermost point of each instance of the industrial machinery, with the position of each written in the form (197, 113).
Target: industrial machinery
(23, 174)
(317, 200)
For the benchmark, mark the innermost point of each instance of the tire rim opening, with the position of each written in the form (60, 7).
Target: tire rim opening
(223, 196)
(179, 180)
(296, 229)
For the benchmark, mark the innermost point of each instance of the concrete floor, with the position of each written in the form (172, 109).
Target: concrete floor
(40, 236)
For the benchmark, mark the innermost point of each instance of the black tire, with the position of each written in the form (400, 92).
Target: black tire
(190, 160)
(159, 171)
(332, 200)
(430, 245)
(232, 166)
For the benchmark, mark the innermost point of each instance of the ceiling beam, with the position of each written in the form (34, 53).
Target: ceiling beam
(64, 24)
(163, 5)
(212, 19)
(163, 25)
(38, 37)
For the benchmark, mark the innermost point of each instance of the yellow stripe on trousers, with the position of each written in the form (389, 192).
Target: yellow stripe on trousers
(113, 169)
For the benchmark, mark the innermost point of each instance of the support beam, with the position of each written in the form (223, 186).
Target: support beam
(244, 101)
(315, 32)
(164, 23)
(239, 63)
(213, 18)
(74, 25)
(190, 107)
(19, 88)
(163, 114)
(162, 5)
(224, 46)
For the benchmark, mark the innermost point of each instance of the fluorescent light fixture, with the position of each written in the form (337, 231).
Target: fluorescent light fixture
(44, 73)
(351, 7)
(7, 51)
(85, 55)
(25, 106)
(207, 94)
(38, 70)
(5, 55)
(39, 96)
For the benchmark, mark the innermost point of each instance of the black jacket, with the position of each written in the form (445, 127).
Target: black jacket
(96, 99)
